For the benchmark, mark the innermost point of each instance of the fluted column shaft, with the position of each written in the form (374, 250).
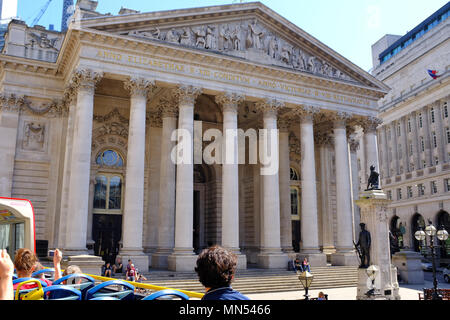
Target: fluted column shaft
(80, 166)
(230, 171)
(343, 188)
(166, 212)
(134, 187)
(309, 221)
(285, 189)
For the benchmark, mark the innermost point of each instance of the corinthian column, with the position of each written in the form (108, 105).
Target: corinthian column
(166, 213)
(134, 186)
(84, 82)
(271, 255)
(285, 186)
(345, 254)
(230, 175)
(309, 218)
(183, 257)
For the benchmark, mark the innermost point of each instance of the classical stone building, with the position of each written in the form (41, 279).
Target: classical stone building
(414, 138)
(87, 117)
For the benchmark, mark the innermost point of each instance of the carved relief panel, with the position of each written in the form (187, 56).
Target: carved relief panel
(248, 39)
(33, 136)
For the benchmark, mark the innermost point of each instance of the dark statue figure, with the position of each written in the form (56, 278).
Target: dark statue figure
(373, 183)
(363, 245)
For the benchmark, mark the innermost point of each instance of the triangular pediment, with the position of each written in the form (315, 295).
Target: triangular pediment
(249, 31)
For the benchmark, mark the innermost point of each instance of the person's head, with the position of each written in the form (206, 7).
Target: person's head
(108, 264)
(71, 270)
(119, 261)
(39, 267)
(321, 294)
(362, 225)
(216, 267)
(25, 263)
(305, 259)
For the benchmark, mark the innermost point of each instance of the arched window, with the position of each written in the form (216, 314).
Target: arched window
(109, 158)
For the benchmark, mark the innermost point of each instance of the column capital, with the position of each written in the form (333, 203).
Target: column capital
(85, 79)
(229, 100)
(168, 107)
(370, 124)
(186, 94)
(306, 113)
(284, 124)
(323, 138)
(139, 87)
(269, 106)
(340, 119)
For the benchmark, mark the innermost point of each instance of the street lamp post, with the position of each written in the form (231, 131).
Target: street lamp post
(442, 235)
(306, 279)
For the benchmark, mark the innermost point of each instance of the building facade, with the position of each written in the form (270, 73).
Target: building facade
(414, 138)
(87, 120)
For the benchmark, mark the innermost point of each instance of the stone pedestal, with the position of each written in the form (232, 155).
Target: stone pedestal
(141, 261)
(273, 260)
(344, 259)
(182, 262)
(88, 264)
(373, 206)
(409, 266)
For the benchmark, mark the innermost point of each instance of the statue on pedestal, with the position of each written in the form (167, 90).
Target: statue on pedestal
(364, 243)
(373, 183)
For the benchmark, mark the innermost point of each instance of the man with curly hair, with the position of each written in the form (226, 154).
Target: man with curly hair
(216, 268)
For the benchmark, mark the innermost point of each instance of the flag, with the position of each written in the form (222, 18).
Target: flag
(433, 74)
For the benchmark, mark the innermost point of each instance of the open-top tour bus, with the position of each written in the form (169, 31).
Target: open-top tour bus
(17, 229)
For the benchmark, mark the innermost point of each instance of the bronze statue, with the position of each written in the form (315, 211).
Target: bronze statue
(364, 243)
(373, 183)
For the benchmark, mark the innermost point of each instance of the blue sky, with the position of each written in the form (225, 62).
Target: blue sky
(349, 27)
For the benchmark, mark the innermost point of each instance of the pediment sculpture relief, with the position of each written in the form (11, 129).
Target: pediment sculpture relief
(246, 39)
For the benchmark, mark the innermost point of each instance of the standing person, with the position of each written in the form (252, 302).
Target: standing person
(25, 263)
(305, 265)
(6, 275)
(216, 268)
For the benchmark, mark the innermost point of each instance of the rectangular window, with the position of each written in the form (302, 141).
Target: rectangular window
(434, 139)
(424, 164)
(432, 115)
(410, 192)
(445, 110)
(399, 194)
(389, 195)
(420, 121)
(433, 187)
(399, 130)
(420, 190)
(411, 149)
(436, 161)
(448, 134)
(422, 144)
(409, 125)
(447, 185)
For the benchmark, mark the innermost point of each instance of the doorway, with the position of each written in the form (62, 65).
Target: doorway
(107, 232)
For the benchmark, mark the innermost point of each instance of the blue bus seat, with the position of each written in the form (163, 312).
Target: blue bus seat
(167, 293)
(102, 290)
(83, 286)
(37, 274)
(61, 292)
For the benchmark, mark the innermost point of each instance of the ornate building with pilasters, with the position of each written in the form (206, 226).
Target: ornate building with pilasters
(87, 135)
(414, 138)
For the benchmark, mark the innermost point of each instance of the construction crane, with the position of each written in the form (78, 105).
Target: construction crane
(41, 13)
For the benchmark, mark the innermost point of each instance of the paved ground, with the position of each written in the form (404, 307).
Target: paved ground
(407, 292)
